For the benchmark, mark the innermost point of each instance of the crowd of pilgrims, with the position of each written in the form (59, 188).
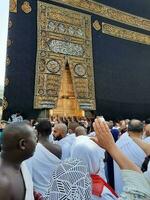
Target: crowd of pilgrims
(74, 159)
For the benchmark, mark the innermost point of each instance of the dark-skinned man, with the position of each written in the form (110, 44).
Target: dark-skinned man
(18, 144)
(45, 160)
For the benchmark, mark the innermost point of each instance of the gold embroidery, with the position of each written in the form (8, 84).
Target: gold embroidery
(63, 36)
(4, 103)
(8, 61)
(97, 25)
(13, 6)
(109, 12)
(26, 7)
(122, 33)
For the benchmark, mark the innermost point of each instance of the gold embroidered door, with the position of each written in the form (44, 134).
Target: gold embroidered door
(64, 35)
(67, 104)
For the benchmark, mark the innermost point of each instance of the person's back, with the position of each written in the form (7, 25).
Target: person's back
(130, 149)
(88, 151)
(41, 167)
(92, 155)
(70, 180)
(18, 144)
(46, 158)
(44, 130)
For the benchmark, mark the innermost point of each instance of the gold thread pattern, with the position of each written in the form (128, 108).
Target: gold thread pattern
(109, 12)
(13, 6)
(4, 103)
(125, 34)
(64, 37)
(8, 61)
(96, 25)
(26, 8)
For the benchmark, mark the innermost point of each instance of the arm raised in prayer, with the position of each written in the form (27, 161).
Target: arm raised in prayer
(106, 141)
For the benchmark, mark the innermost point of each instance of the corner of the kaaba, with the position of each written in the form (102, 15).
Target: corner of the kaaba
(121, 65)
(20, 63)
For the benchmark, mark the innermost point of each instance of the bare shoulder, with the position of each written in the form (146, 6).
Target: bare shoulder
(54, 148)
(5, 187)
(57, 150)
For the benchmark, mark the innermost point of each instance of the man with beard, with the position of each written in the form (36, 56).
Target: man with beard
(64, 140)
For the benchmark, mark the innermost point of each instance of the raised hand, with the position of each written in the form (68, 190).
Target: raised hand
(103, 134)
(105, 139)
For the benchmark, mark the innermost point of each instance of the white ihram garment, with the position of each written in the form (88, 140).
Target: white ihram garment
(93, 156)
(41, 167)
(133, 153)
(66, 144)
(28, 182)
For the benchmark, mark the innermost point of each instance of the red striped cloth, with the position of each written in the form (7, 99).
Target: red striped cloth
(98, 185)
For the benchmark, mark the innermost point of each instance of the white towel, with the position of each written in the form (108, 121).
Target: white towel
(66, 145)
(28, 182)
(41, 167)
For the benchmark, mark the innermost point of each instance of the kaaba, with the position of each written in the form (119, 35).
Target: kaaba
(102, 49)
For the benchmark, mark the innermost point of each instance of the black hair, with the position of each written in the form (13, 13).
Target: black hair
(147, 121)
(44, 128)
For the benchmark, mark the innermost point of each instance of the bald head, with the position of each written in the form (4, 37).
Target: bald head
(59, 131)
(135, 126)
(80, 130)
(20, 138)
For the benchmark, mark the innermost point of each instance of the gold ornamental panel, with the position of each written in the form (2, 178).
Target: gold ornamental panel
(98, 9)
(109, 12)
(64, 37)
(125, 34)
(83, 81)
